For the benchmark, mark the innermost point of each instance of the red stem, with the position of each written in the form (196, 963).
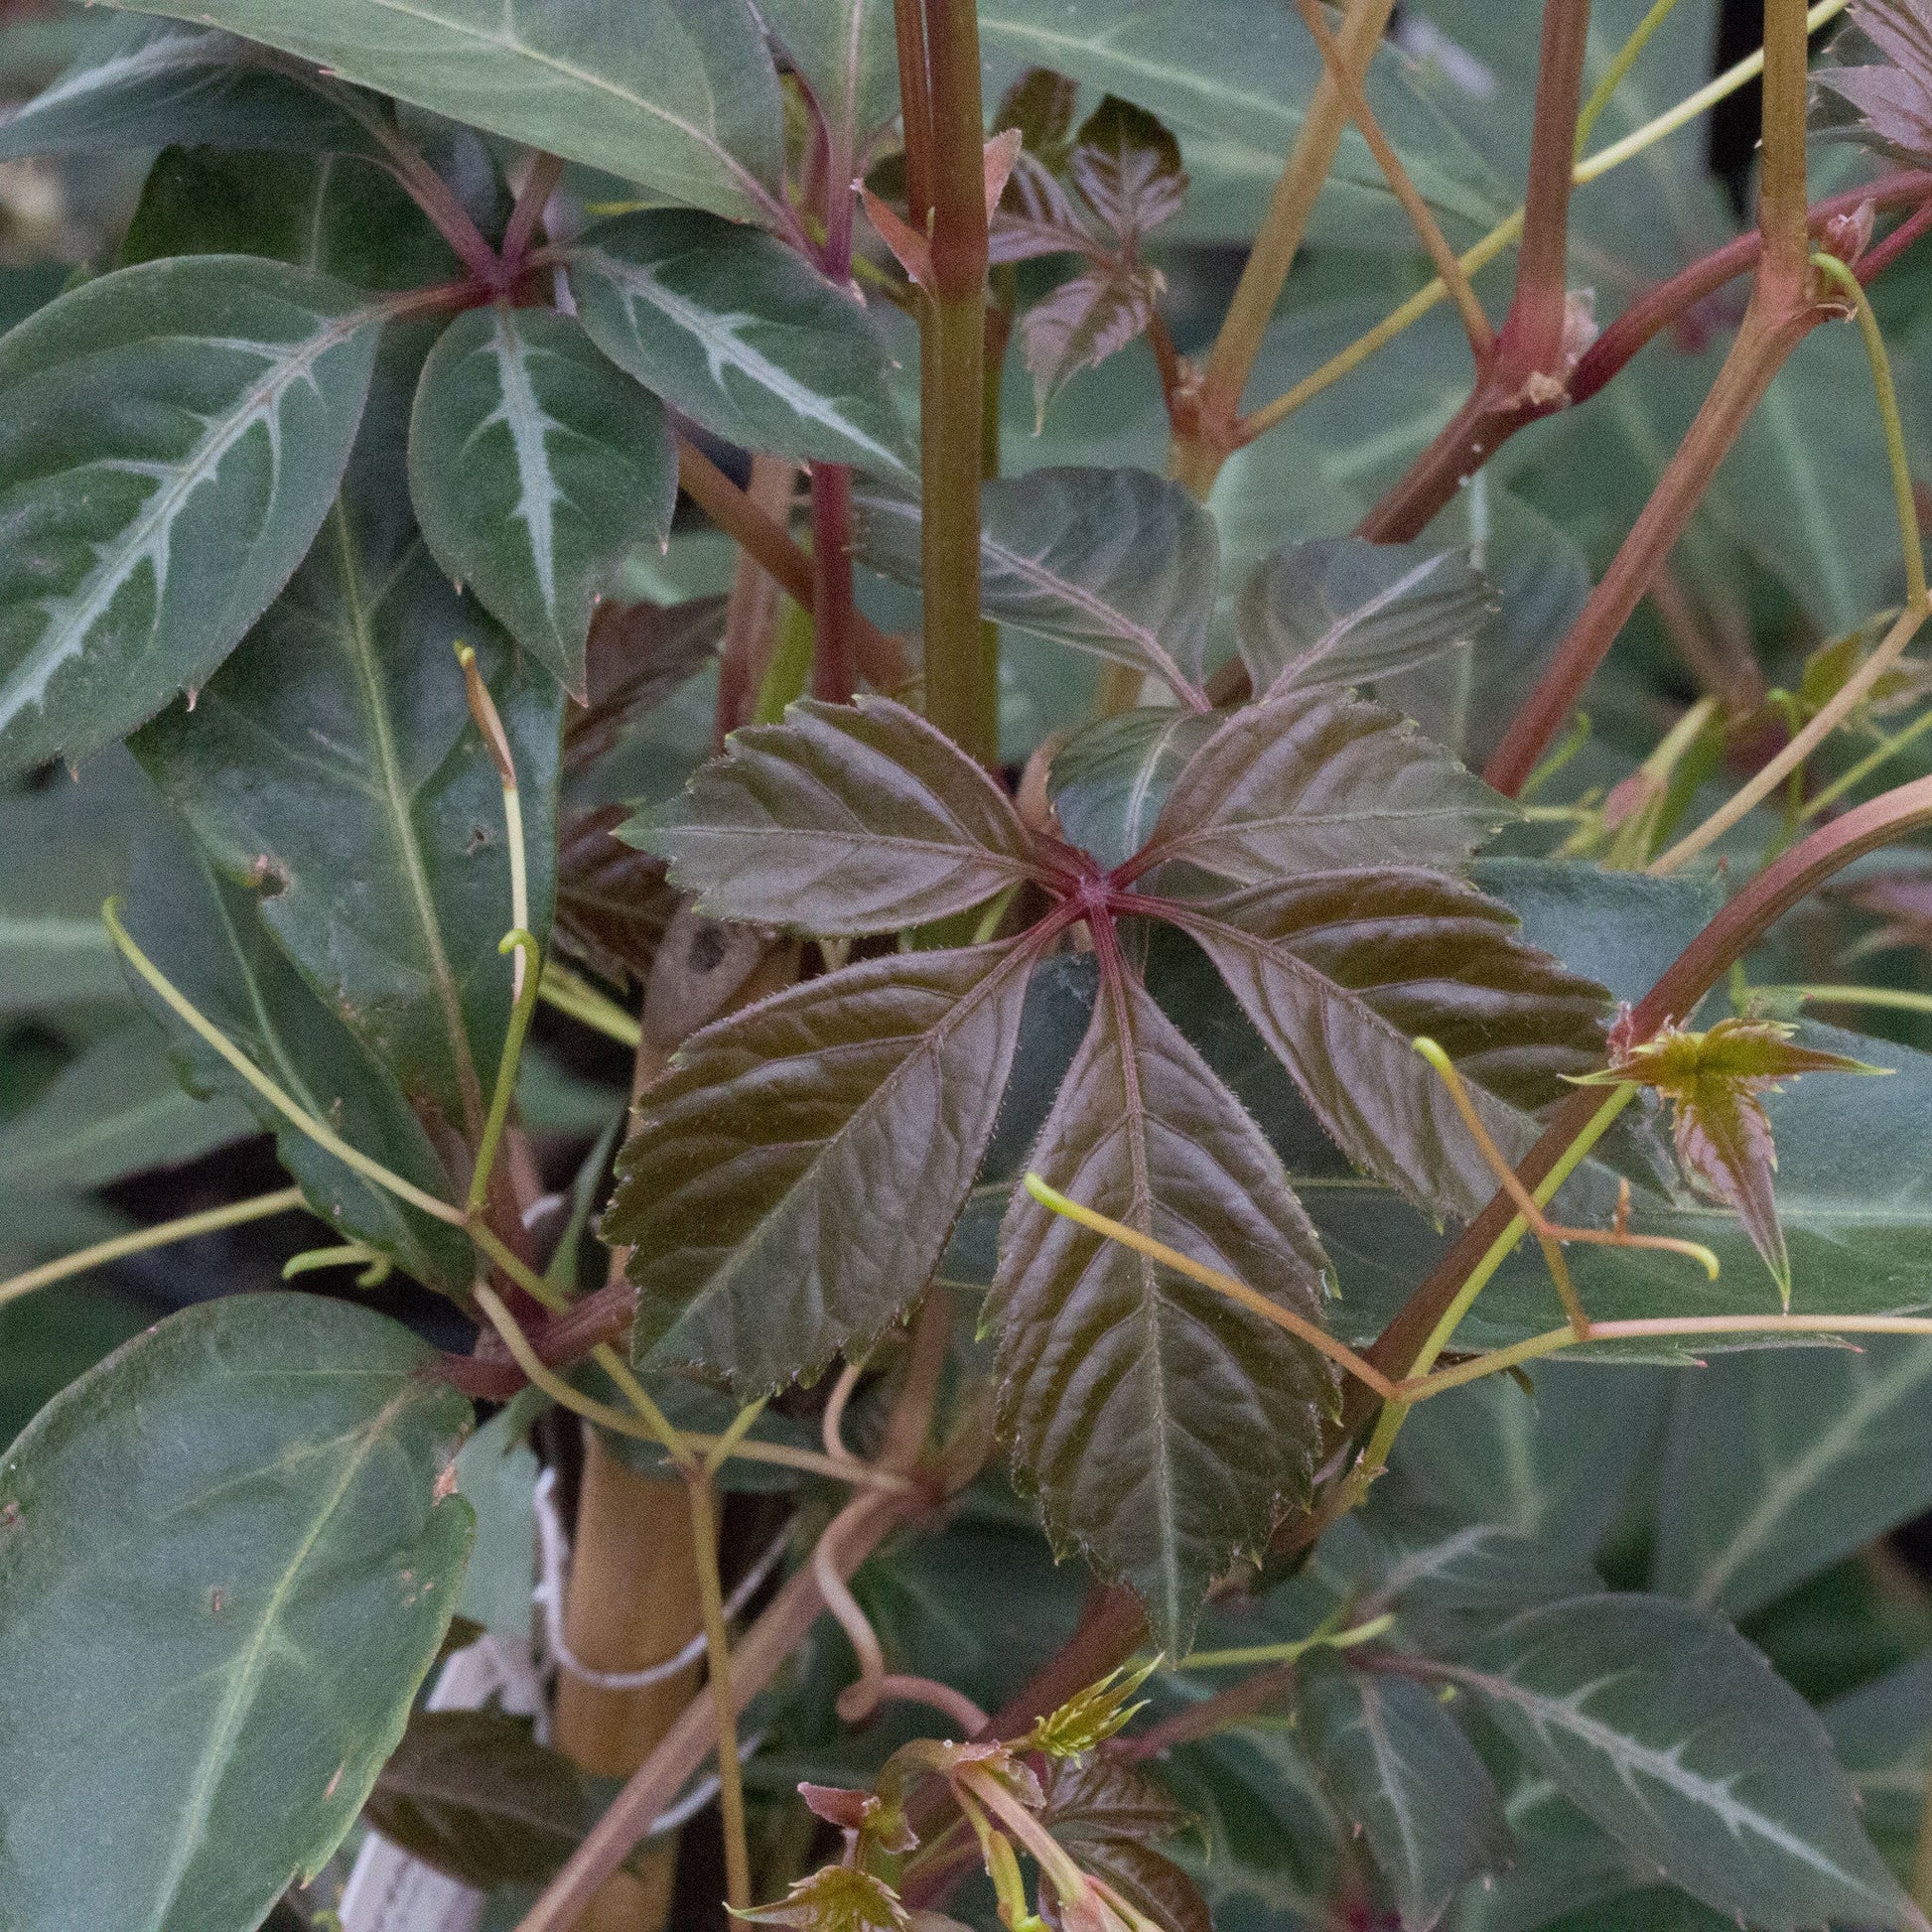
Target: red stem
(545, 173)
(1532, 336)
(835, 661)
(916, 109)
(1700, 966)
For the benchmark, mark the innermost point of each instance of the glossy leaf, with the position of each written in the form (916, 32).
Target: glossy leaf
(1340, 611)
(207, 935)
(637, 654)
(677, 95)
(475, 1795)
(612, 903)
(1092, 315)
(741, 334)
(1118, 563)
(535, 466)
(844, 820)
(229, 1568)
(1109, 784)
(1150, 1883)
(1673, 1734)
(1787, 1461)
(1403, 1772)
(1316, 781)
(114, 1110)
(1101, 1796)
(1159, 1423)
(791, 1185)
(147, 83)
(173, 435)
(1724, 1134)
(1340, 971)
(334, 768)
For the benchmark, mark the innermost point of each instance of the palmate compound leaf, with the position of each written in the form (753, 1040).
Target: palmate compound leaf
(1724, 1139)
(680, 95)
(1318, 780)
(1110, 781)
(1159, 1423)
(171, 437)
(1341, 611)
(792, 1182)
(1893, 95)
(1092, 315)
(1667, 1727)
(1402, 1771)
(1118, 563)
(1340, 971)
(535, 465)
(231, 1558)
(741, 334)
(845, 819)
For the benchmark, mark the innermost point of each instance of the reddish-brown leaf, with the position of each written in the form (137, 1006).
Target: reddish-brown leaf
(1127, 167)
(637, 656)
(1894, 97)
(1084, 321)
(613, 901)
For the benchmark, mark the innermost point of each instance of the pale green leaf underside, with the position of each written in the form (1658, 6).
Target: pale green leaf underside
(677, 95)
(227, 1572)
(170, 439)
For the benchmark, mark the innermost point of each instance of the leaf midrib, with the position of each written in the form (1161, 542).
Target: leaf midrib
(394, 803)
(235, 1706)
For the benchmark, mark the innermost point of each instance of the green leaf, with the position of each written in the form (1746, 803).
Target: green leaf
(741, 334)
(1785, 1463)
(1340, 971)
(846, 52)
(1118, 563)
(114, 1111)
(1233, 86)
(335, 214)
(535, 466)
(1724, 1134)
(145, 83)
(1110, 781)
(227, 1570)
(48, 1340)
(208, 937)
(1673, 1734)
(497, 1475)
(792, 1183)
(475, 1795)
(844, 820)
(1402, 1771)
(1161, 1425)
(1882, 1734)
(339, 747)
(677, 95)
(1317, 781)
(173, 435)
(63, 852)
(1340, 611)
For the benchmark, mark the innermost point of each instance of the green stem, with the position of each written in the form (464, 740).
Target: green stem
(324, 1138)
(1388, 1424)
(1287, 1653)
(530, 982)
(1853, 288)
(1622, 63)
(731, 1776)
(571, 992)
(163, 1234)
(1896, 998)
(1886, 749)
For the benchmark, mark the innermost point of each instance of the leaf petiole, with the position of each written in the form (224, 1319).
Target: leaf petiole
(1287, 1653)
